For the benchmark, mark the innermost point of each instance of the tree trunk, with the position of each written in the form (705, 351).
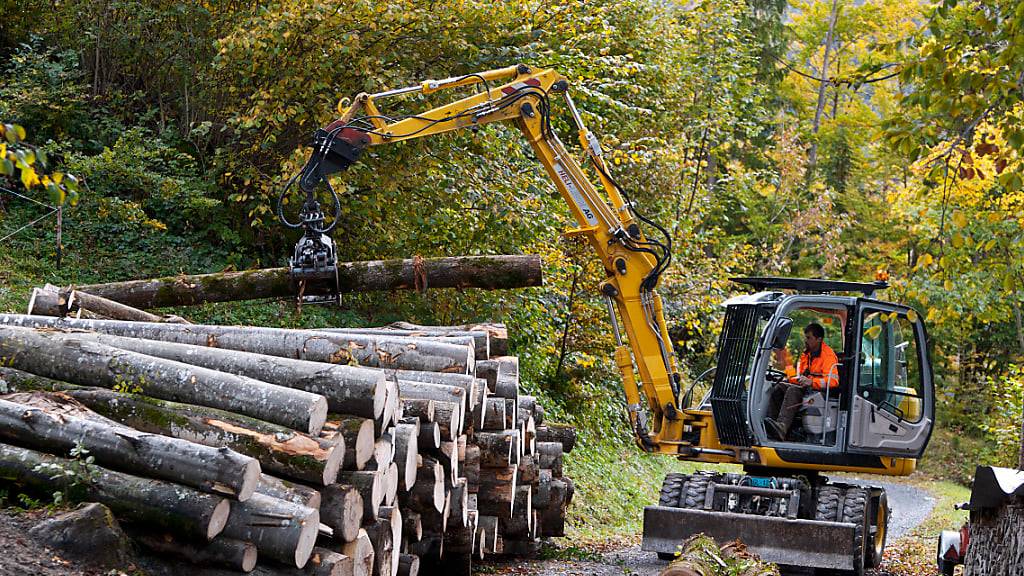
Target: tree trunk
(497, 333)
(289, 491)
(822, 87)
(348, 389)
(359, 439)
(370, 484)
(488, 272)
(279, 450)
(496, 496)
(221, 471)
(518, 525)
(280, 530)
(324, 562)
(385, 562)
(494, 414)
(562, 433)
(104, 307)
(378, 352)
(427, 495)
(228, 553)
(550, 457)
(341, 508)
(361, 552)
(478, 340)
(407, 453)
(997, 540)
(153, 503)
(80, 361)
(408, 565)
(412, 525)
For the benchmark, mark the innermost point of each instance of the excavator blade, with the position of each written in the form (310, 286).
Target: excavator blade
(806, 543)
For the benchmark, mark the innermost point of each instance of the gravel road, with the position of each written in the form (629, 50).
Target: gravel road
(910, 506)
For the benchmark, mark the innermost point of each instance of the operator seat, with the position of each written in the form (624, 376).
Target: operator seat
(820, 410)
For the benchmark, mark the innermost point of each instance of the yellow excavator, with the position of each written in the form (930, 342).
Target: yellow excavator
(877, 420)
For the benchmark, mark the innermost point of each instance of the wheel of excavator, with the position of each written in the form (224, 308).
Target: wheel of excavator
(878, 529)
(670, 489)
(855, 510)
(695, 491)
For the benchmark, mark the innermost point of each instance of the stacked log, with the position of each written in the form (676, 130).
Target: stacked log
(371, 451)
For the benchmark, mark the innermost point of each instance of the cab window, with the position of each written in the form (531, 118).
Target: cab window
(890, 364)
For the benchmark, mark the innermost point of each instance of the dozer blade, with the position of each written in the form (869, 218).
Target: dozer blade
(806, 543)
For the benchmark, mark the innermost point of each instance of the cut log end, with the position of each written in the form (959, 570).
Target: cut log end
(250, 480)
(219, 519)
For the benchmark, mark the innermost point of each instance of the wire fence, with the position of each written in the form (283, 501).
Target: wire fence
(51, 211)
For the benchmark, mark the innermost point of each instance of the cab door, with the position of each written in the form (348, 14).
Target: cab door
(892, 408)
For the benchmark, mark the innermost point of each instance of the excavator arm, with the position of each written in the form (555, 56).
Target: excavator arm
(522, 96)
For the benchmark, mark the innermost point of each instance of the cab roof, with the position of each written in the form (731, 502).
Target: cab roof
(810, 285)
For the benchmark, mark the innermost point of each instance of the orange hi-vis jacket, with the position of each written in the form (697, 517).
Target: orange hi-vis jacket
(820, 369)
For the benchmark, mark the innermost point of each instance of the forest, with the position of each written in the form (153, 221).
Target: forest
(832, 139)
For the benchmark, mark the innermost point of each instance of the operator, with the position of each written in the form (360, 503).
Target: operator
(818, 368)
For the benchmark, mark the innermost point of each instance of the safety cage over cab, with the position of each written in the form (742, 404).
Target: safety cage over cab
(869, 406)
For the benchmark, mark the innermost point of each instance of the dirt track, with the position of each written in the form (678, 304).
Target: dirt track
(910, 506)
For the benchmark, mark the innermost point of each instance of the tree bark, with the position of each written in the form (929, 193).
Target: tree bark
(341, 508)
(104, 307)
(289, 491)
(408, 565)
(412, 525)
(359, 440)
(370, 484)
(550, 457)
(153, 503)
(562, 433)
(489, 370)
(324, 562)
(478, 340)
(997, 540)
(407, 453)
(499, 487)
(279, 450)
(518, 525)
(80, 361)
(497, 333)
(378, 352)
(427, 495)
(221, 471)
(494, 415)
(348, 389)
(496, 448)
(280, 530)
(488, 272)
(224, 552)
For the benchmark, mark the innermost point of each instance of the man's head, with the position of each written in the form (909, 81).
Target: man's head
(814, 335)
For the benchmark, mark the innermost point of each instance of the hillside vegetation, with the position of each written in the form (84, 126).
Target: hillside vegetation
(898, 151)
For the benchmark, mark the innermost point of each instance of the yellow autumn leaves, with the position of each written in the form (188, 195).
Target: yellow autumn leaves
(17, 158)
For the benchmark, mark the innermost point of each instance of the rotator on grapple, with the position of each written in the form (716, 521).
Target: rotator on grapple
(313, 266)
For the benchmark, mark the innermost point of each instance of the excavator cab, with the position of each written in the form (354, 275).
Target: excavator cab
(872, 412)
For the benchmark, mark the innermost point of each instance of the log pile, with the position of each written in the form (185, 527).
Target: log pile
(362, 452)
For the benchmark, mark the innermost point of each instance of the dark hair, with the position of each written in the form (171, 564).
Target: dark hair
(815, 330)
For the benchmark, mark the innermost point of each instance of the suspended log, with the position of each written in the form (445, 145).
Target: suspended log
(494, 414)
(562, 433)
(497, 333)
(341, 508)
(224, 552)
(406, 453)
(221, 471)
(360, 550)
(280, 530)
(64, 356)
(278, 449)
(396, 352)
(408, 565)
(288, 491)
(550, 457)
(348, 389)
(359, 438)
(496, 448)
(488, 272)
(153, 503)
(371, 487)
